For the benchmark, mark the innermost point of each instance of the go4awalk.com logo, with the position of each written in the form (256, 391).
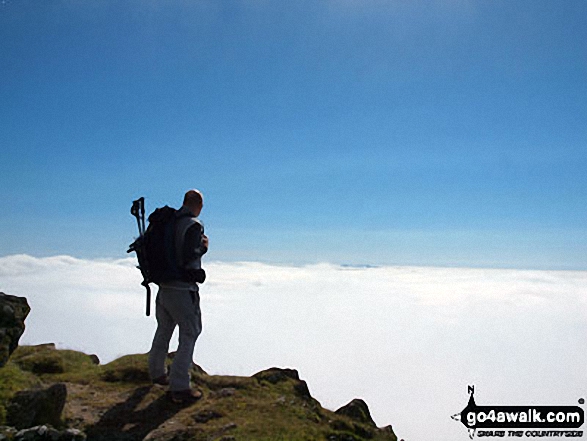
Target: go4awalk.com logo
(521, 421)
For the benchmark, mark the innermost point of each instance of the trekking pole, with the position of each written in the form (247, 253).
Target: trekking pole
(142, 203)
(138, 211)
(145, 284)
(148, 288)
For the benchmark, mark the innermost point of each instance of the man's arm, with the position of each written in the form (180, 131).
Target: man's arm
(195, 243)
(195, 246)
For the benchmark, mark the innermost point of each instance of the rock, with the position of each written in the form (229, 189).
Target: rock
(37, 433)
(7, 433)
(229, 426)
(73, 435)
(46, 432)
(346, 429)
(267, 406)
(204, 416)
(302, 390)
(13, 312)
(225, 392)
(35, 407)
(276, 375)
(48, 346)
(358, 411)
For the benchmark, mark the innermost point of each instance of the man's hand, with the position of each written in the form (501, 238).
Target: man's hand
(205, 240)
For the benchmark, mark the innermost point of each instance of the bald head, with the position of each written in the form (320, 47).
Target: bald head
(194, 201)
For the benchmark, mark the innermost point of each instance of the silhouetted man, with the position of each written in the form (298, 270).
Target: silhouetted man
(178, 304)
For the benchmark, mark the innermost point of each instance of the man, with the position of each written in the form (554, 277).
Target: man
(178, 304)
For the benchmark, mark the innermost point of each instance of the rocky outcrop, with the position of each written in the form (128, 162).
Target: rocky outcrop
(357, 410)
(13, 312)
(277, 375)
(118, 402)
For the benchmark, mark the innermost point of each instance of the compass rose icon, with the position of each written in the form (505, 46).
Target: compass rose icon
(461, 416)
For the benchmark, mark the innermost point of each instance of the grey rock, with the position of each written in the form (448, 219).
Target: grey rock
(37, 433)
(301, 389)
(225, 392)
(13, 312)
(48, 346)
(48, 433)
(7, 433)
(30, 408)
(277, 375)
(229, 426)
(357, 410)
(204, 416)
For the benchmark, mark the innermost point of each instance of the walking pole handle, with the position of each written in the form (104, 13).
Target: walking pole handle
(138, 211)
(148, 288)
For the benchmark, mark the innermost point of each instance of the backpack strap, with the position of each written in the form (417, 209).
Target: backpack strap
(182, 225)
(193, 248)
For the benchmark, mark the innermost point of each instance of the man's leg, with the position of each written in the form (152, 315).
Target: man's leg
(160, 346)
(184, 307)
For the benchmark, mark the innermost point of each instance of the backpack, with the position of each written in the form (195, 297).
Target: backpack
(159, 246)
(155, 247)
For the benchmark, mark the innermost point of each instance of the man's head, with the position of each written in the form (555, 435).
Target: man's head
(193, 201)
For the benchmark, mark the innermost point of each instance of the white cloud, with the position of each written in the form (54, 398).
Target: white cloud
(406, 339)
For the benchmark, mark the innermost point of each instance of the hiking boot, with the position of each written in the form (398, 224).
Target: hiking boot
(163, 380)
(188, 396)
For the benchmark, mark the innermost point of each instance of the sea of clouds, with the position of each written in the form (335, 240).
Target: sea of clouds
(408, 340)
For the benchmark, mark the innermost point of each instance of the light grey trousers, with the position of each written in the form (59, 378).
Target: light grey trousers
(175, 307)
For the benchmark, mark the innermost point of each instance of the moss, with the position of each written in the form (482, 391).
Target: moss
(218, 382)
(25, 351)
(127, 369)
(42, 363)
(45, 359)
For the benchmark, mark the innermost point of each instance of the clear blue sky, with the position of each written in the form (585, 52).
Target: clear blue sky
(434, 132)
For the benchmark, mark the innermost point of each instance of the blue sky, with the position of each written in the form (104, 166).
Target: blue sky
(375, 132)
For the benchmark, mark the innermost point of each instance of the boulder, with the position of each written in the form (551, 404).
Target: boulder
(13, 312)
(358, 411)
(276, 375)
(36, 407)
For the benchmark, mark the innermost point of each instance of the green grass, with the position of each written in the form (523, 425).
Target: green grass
(127, 369)
(13, 379)
(56, 365)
